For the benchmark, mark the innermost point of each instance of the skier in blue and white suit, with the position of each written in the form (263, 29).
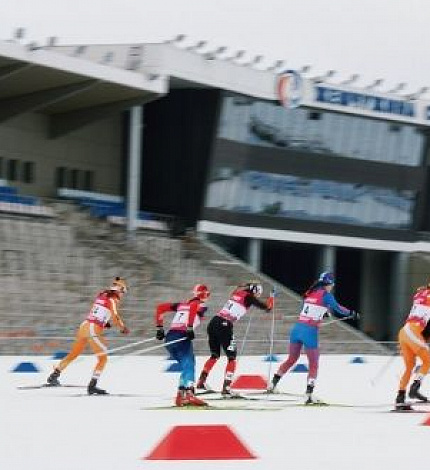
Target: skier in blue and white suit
(318, 302)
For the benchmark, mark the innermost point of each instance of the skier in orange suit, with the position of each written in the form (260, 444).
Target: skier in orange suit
(102, 314)
(413, 345)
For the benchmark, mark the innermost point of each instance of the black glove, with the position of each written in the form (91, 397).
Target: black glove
(160, 333)
(108, 325)
(190, 333)
(354, 315)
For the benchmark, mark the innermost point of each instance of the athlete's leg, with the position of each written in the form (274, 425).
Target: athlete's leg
(187, 362)
(313, 355)
(420, 349)
(215, 349)
(411, 343)
(98, 344)
(77, 348)
(408, 356)
(295, 346)
(424, 355)
(293, 356)
(229, 346)
(310, 341)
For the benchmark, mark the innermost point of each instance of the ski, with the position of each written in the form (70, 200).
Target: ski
(205, 392)
(276, 393)
(269, 398)
(34, 387)
(394, 410)
(114, 395)
(317, 403)
(234, 397)
(210, 408)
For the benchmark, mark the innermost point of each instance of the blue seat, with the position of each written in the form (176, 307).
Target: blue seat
(8, 190)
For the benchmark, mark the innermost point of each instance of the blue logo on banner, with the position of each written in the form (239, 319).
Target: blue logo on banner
(290, 89)
(366, 102)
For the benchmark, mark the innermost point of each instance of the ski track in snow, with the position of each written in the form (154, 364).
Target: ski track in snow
(64, 429)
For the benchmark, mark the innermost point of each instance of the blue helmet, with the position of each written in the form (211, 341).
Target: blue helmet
(326, 278)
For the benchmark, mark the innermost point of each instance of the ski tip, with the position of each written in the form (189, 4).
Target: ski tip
(406, 411)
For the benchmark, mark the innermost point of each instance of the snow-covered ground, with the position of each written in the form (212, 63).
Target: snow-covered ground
(64, 429)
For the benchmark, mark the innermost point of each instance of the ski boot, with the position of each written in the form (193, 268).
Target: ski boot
(94, 390)
(192, 400)
(414, 393)
(201, 383)
(226, 391)
(309, 399)
(180, 397)
(275, 379)
(52, 380)
(400, 402)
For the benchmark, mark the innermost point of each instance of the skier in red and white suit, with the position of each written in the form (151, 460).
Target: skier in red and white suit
(220, 330)
(102, 314)
(187, 317)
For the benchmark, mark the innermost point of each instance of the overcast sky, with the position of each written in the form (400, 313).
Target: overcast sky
(386, 39)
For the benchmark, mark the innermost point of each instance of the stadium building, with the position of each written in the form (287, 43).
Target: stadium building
(292, 174)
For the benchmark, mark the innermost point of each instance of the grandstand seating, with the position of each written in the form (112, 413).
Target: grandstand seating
(13, 202)
(50, 270)
(111, 207)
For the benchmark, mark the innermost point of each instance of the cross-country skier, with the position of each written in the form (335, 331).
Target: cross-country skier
(220, 330)
(102, 314)
(187, 317)
(318, 302)
(412, 341)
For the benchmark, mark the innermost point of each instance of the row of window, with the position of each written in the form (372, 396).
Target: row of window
(12, 169)
(74, 178)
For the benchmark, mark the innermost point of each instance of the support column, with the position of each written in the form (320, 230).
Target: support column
(375, 294)
(134, 160)
(254, 253)
(399, 292)
(327, 259)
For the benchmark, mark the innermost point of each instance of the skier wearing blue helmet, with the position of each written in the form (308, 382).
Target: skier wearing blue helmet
(318, 302)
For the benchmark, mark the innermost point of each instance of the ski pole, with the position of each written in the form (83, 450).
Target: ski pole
(272, 333)
(152, 348)
(120, 348)
(381, 372)
(349, 317)
(242, 347)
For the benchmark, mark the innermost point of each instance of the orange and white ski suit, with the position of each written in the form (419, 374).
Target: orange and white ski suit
(411, 340)
(103, 312)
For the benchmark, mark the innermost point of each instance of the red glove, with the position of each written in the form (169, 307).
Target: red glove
(270, 303)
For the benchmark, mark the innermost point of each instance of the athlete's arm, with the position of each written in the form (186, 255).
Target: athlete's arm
(116, 317)
(251, 300)
(162, 309)
(194, 310)
(334, 307)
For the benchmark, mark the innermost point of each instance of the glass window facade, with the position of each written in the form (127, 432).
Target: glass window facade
(312, 199)
(315, 165)
(264, 123)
